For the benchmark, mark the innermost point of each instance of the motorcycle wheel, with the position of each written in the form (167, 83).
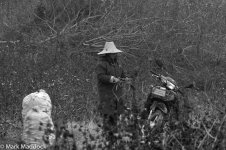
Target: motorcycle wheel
(156, 119)
(152, 125)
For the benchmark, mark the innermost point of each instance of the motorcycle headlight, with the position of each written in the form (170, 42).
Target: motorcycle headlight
(170, 85)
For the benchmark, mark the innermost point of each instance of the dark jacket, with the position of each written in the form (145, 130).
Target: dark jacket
(110, 94)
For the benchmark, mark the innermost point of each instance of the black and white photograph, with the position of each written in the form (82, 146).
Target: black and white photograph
(112, 74)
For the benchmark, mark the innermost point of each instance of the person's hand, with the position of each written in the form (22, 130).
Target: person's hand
(114, 79)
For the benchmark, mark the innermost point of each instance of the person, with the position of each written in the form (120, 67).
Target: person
(108, 73)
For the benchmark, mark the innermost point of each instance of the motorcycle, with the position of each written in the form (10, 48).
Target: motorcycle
(161, 105)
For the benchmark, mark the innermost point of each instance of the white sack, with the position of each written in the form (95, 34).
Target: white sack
(38, 128)
(40, 99)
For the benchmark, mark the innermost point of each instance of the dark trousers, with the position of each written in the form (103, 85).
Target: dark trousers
(110, 126)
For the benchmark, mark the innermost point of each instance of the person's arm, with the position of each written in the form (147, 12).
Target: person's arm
(101, 75)
(124, 75)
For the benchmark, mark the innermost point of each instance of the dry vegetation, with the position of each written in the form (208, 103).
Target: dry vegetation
(53, 44)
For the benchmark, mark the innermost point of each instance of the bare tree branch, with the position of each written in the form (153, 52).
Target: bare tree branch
(219, 130)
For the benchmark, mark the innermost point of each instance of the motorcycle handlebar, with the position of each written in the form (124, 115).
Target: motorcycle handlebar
(154, 73)
(159, 76)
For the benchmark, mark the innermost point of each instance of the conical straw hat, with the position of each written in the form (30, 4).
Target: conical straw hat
(109, 47)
